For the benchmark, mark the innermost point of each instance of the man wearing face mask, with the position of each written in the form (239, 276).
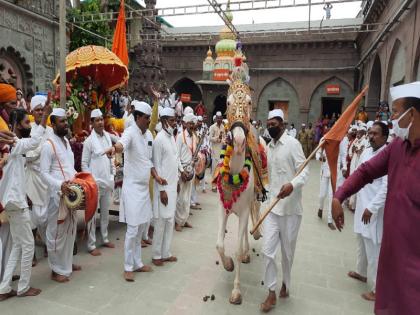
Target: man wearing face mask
(398, 280)
(281, 227)
(168, 164)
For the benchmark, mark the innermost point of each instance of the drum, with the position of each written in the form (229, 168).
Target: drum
(75, 200)
(200, 166)
(119, 175)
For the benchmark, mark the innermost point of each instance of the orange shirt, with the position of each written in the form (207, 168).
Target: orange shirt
(3, 124)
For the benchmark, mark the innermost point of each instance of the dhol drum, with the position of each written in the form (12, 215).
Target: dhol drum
(200, 166)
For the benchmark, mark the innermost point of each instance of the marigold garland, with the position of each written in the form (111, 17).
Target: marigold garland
(231, 186)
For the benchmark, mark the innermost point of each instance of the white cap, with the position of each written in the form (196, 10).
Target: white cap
(95, 113)
(219, 114)
(58, 112)
(200, 118)
(303, 125)
(188, 118)
(142, 107)
(254, 122)
(188, 110)
(405, 90)
(369, 124)
(167, 112)
(362, 128)
(214, 117)
(276, 113)
(38, 100)
(195, 119)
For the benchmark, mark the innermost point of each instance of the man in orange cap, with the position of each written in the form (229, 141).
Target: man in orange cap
(7, 103)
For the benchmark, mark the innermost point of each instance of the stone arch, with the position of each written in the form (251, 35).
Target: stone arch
(416, 70)
(282, 94)
(396, 66)
(187, 86)
(320, 96)
(14, 62)
(375, 84)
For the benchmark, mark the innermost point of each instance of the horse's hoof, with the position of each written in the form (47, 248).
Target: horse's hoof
(229, 265)
(246, 259)
(236, 299)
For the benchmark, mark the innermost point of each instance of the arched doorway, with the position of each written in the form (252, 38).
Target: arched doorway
(396, 66)
(279, 94)
(331, 96)
(219, 105)
(375, 83)
(190, 90)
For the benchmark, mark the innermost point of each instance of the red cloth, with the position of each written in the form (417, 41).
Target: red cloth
(200, 110)
(398, 280)
(91, 193)
(337, 133)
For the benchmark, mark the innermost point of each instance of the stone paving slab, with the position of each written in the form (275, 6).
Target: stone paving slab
(319, 281)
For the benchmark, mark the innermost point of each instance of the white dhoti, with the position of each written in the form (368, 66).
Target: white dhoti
(5, 246)
(193, 192)
(132, 247)
(60, 239)
(325, 194)
(183, 202)
(283, 231)
(361, 258)
(39, 218)
(372, 254)
(104, 203)
(164, 229)
(22, 249)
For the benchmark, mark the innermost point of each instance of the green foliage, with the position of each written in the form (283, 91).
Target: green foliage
(78, 37)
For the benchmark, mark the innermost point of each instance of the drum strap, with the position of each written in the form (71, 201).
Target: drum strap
(56, 156)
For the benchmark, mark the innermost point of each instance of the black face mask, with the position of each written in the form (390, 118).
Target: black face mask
(25, 132)
(274, 132)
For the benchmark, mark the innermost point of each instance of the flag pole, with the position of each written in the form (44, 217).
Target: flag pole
(62, 36)
(274, 203)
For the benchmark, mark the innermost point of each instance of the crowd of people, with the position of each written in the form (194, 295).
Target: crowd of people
(155, 168)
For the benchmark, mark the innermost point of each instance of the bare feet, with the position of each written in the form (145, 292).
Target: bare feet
(95, 252)
(178, 228)
(129, 276)
(34, 261)
(320, 213)
(145, 268)
(331, 226)
(45, 252)
(157, 262)
(75, 267)
(143, 244)
(214, 190)
(109, 245)
(187, 225)
(15, 278)
(6, 296)
(148, 242)
(170, 259)
(284, 293)
(31, 292)
(269, 302)
(369, 296)
(355, 275)
(59, 278)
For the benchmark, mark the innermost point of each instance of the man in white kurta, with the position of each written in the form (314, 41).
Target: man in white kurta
(36, 187)
(135, 203)
(57, 169)
(325, 189)
(186, 143)
(368, 217)
(217, 135)
(168, 165)
(13, 198)
(101, 167)
(281, 227)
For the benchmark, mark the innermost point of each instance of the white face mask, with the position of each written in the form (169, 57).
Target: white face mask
(401, 132)
(158, 127)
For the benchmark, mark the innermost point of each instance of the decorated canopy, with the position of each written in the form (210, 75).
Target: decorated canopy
(97, 62)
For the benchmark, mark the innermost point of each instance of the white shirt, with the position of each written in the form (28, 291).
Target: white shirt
(33, 157)
(292, 132)
(50, 167)
(342, 157)
(137, 154)
(128, 120)
(371, 197)
(216, 143)
(97, 163)
(284, 159)
(12, 184)
(186, 145)
(325, 169)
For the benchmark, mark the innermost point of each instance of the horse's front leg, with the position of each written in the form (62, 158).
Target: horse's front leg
(227, 261)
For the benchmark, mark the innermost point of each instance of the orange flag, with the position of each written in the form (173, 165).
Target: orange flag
(333, 137)
(119, 44)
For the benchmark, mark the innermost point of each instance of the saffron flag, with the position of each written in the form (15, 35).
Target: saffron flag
(119, 44)
(336, 134)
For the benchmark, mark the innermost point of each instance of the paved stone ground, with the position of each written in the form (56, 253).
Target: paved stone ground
(319, 281)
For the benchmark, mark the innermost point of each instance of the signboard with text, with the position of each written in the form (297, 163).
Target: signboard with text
(185, 98)
(333, 89)
(220, 74)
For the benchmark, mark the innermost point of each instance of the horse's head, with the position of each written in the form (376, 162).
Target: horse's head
(238, 138)
(239, 104)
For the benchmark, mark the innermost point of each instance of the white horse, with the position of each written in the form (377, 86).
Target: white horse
(242, 208)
